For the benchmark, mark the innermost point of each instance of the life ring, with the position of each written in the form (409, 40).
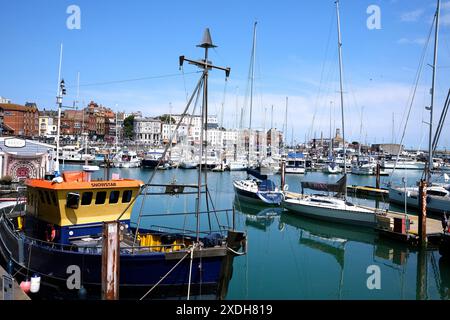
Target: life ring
(286, 187)
(50, 233)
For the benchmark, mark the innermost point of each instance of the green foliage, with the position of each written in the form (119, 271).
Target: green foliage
(128, 127)
(165, 119)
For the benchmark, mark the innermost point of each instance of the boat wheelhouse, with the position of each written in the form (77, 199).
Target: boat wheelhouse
(74, 206)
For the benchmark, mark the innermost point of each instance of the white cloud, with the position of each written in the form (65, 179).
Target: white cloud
(411, 16)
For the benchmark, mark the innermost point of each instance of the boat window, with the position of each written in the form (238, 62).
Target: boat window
(72, 200)
(126, 197)
(41, 196)
(114, 196)
(53, 196)
(86, 198)
(436, 193)
(47, 197)
(100, 197)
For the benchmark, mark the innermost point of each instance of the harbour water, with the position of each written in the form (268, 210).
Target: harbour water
(290, 257)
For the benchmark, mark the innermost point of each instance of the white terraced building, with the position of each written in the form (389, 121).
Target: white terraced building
(147, 130)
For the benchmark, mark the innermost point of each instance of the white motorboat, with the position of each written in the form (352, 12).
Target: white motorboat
(237, 165)
(438, 197)
(126, 159)
(295, 163)
(403, 164)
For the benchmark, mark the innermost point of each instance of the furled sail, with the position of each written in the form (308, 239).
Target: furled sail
(338, 187)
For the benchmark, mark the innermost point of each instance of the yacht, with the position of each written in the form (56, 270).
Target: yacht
(126, 159)
(364, 166)
(438, 197)
(74, 154)
(295, 163)
(402, 164)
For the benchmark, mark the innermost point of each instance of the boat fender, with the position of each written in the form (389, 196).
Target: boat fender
(35, 284)
(25, 286)
(286, 187)
(50, 233)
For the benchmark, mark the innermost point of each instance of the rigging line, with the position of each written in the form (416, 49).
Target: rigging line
(165, 150)
(172, 75)
(322, 72)
(163, 156)
(413, 94)
(165, 276)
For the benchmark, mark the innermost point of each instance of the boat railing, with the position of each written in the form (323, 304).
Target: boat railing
(222, 227)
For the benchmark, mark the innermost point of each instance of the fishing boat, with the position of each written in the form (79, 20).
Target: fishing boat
(67, 215)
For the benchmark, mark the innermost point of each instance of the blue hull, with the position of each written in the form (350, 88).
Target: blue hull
(138, 272)
(261, 198)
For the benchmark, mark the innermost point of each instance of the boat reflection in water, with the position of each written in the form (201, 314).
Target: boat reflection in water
(258, 217)
(333, 240)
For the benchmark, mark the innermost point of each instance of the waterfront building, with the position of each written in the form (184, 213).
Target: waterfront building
(147, 130)
(20, 120)
(48, 123)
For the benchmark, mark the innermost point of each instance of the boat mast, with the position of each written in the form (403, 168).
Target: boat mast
(285, 127)
(60, 92)
(341, 90)
(252, 78)
(430, 137)
(205, 65)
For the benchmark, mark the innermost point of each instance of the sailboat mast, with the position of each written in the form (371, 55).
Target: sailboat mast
(252, 78)
(430, 137)
(285, 125)
(341, 88)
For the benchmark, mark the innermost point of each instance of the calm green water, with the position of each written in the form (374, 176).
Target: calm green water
(290, 257)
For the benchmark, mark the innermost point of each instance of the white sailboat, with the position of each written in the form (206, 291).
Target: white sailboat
(259, 190)
(327, 207)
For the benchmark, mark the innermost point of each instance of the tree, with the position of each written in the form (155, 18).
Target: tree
(128, 124)
(165, 119)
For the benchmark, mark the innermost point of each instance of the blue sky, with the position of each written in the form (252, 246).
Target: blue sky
(296, 57)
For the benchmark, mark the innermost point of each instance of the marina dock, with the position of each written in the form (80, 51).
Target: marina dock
(394, 226)
(15, 291)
